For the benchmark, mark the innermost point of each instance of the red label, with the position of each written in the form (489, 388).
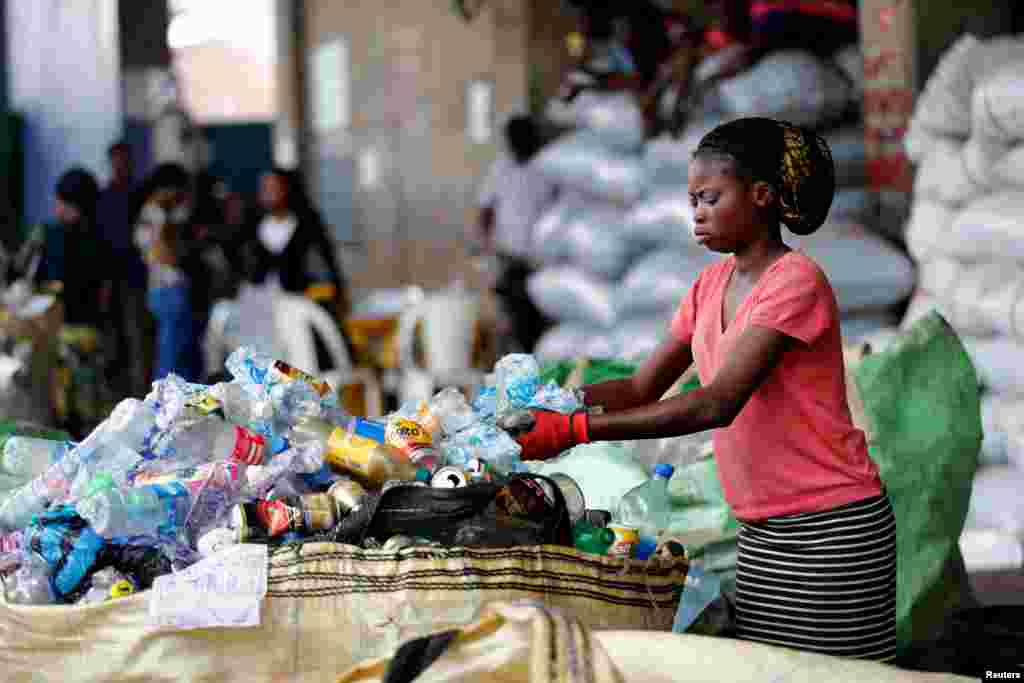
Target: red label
(250, 448)
(279, 517)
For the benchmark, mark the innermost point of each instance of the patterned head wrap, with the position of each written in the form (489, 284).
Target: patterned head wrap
(794, 160)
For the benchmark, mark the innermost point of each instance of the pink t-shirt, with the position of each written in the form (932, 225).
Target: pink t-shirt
(793, 448)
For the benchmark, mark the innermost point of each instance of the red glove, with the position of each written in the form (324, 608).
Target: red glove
(553, 433)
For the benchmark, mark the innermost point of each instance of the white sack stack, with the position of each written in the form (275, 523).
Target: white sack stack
(966, 231)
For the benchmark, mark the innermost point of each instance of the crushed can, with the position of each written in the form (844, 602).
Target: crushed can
(573, 495)
(245, 520)
(449, 477)
(319, 512)
(347, 494)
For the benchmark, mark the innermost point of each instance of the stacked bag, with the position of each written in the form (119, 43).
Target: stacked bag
(614, 294)
(967, 137)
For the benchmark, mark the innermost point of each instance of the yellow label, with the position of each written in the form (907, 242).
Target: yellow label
(204, 404)
(122, 589)
(349, 451)
(407, 435)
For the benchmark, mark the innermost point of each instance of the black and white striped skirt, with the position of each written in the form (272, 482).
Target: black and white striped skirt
(822, 582)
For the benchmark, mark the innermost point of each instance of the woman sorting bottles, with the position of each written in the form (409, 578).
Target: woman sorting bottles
(817, 541)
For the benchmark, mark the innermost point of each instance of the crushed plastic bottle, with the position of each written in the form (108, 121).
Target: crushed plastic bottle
(485, 441)
(30, 584)
(28, 458)
(143, 511)
(450, 408)
(518, 378)
(647, 507)
(208, 440)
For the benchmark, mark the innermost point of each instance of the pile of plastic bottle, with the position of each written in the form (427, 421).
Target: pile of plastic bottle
(174, 477)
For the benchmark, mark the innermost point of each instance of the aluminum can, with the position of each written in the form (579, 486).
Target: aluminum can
(319, 511)
(449, 477)
(348, 494)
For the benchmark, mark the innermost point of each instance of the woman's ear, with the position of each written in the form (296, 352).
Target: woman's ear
(763, 194)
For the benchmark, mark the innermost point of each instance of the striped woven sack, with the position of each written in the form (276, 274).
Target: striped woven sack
(330, 606)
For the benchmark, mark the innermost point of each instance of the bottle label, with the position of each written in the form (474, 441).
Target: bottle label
(203, 403)
(349, 451)
(283, 372)
(409, 437)
(278, 517)
(250, 448)
(217, 475)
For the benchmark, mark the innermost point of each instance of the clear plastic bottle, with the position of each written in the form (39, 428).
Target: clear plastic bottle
(647, 507)
(369, 460)
(30, 585)
(145, 511)
(211, 440)
(28, 457)
(114, 447)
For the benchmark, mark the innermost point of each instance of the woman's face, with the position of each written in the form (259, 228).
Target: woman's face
(273, 192)
(725, 217)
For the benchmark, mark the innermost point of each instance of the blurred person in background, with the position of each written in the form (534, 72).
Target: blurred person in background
(74, 257)
(512, 198)
(176, 277)
(132, 325)
(287, 248)
(74, 263)
(214, 237)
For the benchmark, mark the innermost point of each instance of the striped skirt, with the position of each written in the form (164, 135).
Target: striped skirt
(822, 582)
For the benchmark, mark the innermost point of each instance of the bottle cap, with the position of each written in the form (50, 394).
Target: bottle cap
(644, 548)
(664, 470)
(423, 474)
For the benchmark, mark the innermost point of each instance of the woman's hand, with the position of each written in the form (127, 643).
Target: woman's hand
(553, 433)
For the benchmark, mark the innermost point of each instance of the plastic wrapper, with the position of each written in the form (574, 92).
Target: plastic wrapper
(565, 293)
(582, 162)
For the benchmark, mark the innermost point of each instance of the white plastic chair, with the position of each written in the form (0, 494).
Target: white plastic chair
(447, 320)
(295, 319)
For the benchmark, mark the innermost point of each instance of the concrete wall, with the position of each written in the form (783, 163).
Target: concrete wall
(64, 79)
(411, 61)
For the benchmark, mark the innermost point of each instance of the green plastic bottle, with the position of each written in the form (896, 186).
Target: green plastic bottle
(592, 539)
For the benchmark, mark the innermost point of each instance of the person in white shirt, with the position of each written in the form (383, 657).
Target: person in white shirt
(513, 197)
